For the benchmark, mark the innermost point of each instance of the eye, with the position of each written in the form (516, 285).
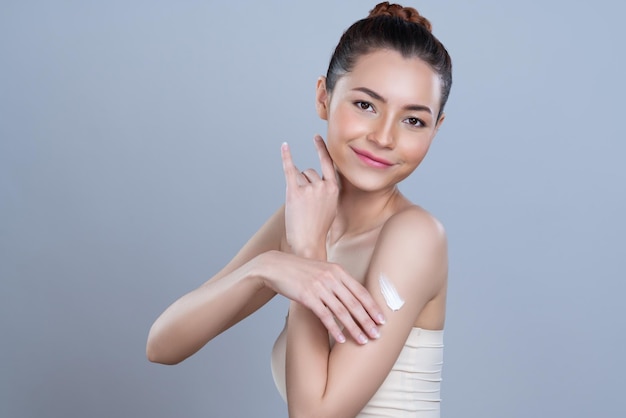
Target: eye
(415, 122)
(364, 106)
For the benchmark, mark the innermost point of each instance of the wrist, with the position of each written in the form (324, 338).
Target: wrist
(258, 272)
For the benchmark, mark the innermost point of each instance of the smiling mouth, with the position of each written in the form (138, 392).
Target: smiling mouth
(371, 160)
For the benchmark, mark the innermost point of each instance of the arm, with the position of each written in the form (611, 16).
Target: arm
(411, 251)
(228, 297)
(251, 279)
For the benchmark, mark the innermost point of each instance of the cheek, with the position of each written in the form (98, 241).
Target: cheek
(415, 150)
(345, 123)
(343, 126)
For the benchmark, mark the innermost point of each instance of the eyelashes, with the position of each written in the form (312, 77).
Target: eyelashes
(368, 107)
(417, 122)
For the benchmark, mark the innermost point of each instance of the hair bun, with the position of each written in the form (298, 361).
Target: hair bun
(405, 13)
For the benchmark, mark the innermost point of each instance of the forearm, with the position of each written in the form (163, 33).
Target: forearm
(197, 317)
(308, 351)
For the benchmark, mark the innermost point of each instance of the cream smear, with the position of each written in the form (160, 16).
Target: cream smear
(393, 299)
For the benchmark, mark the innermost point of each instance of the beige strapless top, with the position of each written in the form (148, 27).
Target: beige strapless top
(412, 388)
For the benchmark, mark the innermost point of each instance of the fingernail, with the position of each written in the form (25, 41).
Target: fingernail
(374, 333)
(363, 339)
(341, 339)
(380, 318)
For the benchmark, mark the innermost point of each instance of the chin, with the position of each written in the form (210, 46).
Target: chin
(369, 182)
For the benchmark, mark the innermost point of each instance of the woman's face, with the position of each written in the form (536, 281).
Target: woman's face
(381, 118)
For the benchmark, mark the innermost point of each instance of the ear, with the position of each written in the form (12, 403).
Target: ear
(439, 122)
(321, 98)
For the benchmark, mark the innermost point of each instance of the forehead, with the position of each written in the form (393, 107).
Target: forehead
(396, 78)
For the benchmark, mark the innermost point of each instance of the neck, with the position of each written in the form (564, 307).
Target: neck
(361, 211)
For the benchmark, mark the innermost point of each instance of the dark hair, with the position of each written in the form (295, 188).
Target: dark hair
(391, 26)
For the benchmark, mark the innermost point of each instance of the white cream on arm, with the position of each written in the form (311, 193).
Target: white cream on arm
(393, 299)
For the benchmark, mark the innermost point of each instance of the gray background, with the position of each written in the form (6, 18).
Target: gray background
(139, 149)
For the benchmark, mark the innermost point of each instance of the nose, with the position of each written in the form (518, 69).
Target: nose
(382, 133)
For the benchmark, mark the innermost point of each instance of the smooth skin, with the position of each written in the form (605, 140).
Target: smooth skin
(263, 268)
(326, 248)
(385, 108)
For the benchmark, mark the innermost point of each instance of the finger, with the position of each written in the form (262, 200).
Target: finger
(289, 168)
(365, 299)
(311, 175)
(326, 162)
(344, 316)
(302, 180)
(359, 320)
(324, 314)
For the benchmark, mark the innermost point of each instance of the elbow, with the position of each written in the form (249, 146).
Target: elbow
(155, 355)
(156, 352)
(153, 358)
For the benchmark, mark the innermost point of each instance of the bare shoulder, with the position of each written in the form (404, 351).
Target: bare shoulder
(414, 226)
(412, 248)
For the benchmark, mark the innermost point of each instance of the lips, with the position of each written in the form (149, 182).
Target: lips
(371, 159)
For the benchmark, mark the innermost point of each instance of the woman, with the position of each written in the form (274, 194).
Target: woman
(364, 268)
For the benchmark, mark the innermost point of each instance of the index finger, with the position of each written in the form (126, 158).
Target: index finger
(326, 162)
(289, 168)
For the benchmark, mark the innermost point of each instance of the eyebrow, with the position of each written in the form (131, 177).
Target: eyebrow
(376, 96)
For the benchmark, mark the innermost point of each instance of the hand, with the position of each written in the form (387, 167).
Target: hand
(310, 203)
(327, 290)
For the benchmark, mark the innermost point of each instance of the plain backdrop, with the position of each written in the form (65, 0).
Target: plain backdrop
(140, 148)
